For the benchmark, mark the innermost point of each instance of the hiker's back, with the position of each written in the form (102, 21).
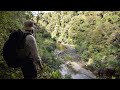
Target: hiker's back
(30, 47)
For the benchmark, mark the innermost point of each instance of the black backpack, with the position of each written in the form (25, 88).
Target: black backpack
(13, 47)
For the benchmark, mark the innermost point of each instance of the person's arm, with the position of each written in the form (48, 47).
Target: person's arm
(32, 46)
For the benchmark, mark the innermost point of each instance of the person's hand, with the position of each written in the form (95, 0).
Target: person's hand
(41, 66)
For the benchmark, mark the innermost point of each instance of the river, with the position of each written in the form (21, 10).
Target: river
(76, 71)
(73, 68)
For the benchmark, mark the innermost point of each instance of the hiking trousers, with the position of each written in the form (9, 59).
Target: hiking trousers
(29, 70)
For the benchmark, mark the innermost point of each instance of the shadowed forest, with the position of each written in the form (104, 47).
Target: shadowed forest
(72, 44)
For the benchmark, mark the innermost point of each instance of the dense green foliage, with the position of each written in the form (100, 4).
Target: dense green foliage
(96, 35)
(46, 47)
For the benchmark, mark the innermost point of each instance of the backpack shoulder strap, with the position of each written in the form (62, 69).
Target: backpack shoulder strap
(24, 38)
